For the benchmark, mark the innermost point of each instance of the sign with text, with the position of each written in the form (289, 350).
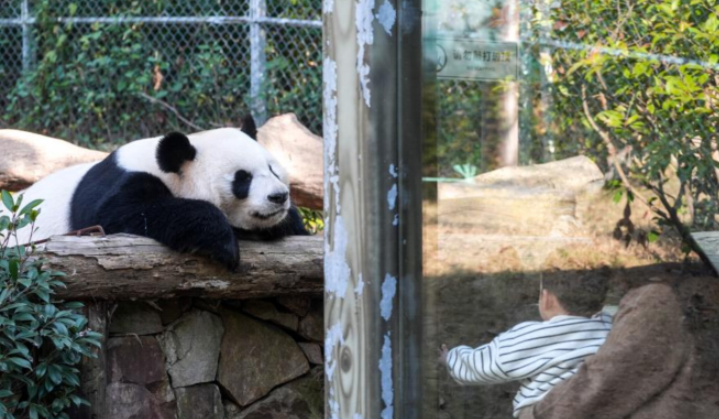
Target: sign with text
(470, 59)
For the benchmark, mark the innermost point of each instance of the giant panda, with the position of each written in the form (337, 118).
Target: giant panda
(192, 193)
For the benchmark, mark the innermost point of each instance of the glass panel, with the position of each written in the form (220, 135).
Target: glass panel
(570, 146)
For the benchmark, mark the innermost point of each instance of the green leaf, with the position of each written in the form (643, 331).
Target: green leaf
(653, 236)
(54, 374)
(7, 199)
(29, 207)
(14, 269)
(20, 362)
(617, 196)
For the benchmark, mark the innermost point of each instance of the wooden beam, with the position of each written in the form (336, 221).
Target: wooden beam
(362, 200)
(121, 267)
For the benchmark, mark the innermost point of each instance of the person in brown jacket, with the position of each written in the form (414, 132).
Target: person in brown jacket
(647, 368)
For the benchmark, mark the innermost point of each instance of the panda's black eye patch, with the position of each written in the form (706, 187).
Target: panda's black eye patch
(241, 184)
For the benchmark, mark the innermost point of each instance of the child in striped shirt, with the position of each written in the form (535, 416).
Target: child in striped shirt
(540, 354)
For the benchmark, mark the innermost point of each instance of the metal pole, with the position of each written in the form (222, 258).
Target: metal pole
(26, 48)
(258, 40)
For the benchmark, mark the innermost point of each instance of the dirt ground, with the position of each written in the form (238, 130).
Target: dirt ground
(480, 281)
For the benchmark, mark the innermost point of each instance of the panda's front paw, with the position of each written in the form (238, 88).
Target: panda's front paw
(229, 255)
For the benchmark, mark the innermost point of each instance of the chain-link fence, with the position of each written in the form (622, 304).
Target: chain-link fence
(102, 71)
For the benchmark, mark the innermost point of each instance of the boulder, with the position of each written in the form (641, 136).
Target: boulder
(133, 401)
(528, 210)
(192, 348)
(312, 326)
(301, 153)
(199, 402)
(526, 200)
(312, 351)
(29, 157)
(300, 399)
(298, 305)
(173, 309)
(256, 357)
(135, 319)
(267, 311)
(136, 360)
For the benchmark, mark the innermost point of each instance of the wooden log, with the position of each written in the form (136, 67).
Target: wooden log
(122, 267)
(300, 152)
(29, 157)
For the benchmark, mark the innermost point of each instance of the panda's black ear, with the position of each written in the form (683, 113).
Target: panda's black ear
(249, 127)
(173, 151)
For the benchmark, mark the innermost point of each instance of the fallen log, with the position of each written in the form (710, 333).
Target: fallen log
(301, 153)
(126, 267)
(28, 157)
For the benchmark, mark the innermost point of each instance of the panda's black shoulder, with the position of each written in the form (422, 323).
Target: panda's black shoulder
(108, 182)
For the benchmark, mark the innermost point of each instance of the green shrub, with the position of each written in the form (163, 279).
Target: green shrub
(312, 219)
(42, 340)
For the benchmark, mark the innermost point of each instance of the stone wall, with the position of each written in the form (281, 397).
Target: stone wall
(200, 359)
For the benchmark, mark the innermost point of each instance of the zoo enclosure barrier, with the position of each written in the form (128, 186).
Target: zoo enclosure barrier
(267, 52)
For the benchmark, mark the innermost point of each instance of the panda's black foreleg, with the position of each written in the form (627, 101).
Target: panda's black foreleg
(183, 225)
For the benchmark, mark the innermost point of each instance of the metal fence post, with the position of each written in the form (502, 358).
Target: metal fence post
(26, 48)
(258, 39)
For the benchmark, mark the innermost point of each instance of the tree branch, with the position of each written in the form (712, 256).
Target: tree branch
(615, 162)
(171, 109)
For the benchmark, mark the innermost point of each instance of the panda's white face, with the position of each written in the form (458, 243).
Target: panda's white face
(242, 179)
(229, 169)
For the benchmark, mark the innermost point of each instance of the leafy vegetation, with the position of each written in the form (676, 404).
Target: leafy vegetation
(42, 340)
(100, 84)
(641, 100)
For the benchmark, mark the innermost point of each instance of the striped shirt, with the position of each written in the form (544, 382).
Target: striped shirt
(537, 354)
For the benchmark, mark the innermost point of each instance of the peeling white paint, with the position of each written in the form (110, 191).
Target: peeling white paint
(337, 271)
(360, 286)
(363, 72)
(365, 36)
(393, 170)
(333, 337)
(385, 368)
(328, 6)
(387, 16)
(330, 130)
(334, 408)
(395, 222)
(389, 288)
(363, 21)
(335, 181)
(392, 197)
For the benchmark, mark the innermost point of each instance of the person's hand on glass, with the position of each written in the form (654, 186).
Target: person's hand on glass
(443, 351)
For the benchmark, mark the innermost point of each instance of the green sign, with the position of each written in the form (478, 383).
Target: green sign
(470, 59)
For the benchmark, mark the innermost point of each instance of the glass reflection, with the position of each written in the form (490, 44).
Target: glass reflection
(571, 140)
